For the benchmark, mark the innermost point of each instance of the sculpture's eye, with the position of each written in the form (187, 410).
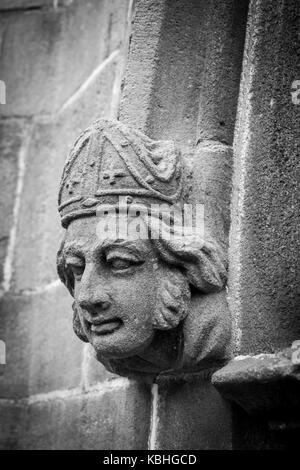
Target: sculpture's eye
(119, 263)
(76, 266)
(122, 262)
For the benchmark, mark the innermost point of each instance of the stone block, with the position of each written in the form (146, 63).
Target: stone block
(12, 135)
(99, 420)
(191, 414)
(53, 61)
(192, 56)
(39, 233)
(15, 332)
(56, 352)
(12, 415)
(7, 5)
(43, 353)
(265, 244)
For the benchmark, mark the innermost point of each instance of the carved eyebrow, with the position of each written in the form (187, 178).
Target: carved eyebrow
(76, 249)
(128, 245)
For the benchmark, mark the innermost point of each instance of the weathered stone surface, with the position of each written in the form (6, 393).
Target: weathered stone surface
(58, 362)
(15, 331)
(219, 79)
(211, 186)
(138, 82)
(12, 136)
(12, 414)
(31, 4)
(191, 53)
(191, 415)
(42, 351)
(38, 225)
(254, 433)
(93, 371)
(114, 419)
(61, 47)
(266, 383)
(264, 253)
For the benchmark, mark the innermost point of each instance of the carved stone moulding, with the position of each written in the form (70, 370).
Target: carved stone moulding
(149, 299)
(266, 385)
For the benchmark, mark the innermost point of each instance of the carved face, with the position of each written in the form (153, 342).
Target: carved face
(115, 288)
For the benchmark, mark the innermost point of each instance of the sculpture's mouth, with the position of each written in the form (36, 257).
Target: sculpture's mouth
(104, 327)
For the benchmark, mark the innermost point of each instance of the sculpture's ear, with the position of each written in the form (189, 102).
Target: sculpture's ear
(65, 275)
(205, 265)
(77, 327)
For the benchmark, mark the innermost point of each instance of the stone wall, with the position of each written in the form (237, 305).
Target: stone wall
(212, 75)
(62, 63)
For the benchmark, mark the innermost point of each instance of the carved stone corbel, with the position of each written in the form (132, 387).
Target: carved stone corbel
(148, 301)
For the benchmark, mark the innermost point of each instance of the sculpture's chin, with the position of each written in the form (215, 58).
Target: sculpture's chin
(118, 344)
(163, 354)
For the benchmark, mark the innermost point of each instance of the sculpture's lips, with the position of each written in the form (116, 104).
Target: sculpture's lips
(105, 326)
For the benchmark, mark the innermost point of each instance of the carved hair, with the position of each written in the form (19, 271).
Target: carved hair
(173, 298)
(202, 262)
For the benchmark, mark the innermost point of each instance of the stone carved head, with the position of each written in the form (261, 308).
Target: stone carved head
(133, 294)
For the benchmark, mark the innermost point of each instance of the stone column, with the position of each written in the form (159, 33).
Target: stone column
(264, 281)
(181, 83)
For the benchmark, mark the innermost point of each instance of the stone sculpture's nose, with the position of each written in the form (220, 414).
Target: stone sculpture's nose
(94, 307)
(93, 296)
